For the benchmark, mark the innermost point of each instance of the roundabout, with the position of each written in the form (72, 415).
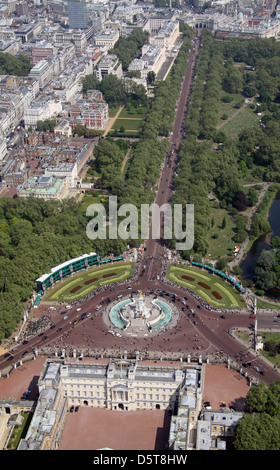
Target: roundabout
(140, 315)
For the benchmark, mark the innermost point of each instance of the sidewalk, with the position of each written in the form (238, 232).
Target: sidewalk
(112, 121)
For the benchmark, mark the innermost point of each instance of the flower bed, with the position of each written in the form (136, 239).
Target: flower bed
(205, 286)
(109, 274)
(90, 281)
(75, 289)
(216, 294)
(188, 278)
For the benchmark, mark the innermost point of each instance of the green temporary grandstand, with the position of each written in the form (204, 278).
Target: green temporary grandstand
(66, 269)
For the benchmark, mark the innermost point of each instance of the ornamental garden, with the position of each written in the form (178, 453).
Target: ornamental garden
(209, 287)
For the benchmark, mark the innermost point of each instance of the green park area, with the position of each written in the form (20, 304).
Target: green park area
(95, 198)
(245, 118)
(128, 124)
(85, 282)
(271, 349)
(220, 235)
(209, 287)
(130, 119)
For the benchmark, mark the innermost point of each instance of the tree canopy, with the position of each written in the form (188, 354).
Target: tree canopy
(36, 235)
(259, 429)
(12, 65)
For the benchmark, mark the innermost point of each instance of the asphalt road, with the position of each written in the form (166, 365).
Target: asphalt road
(206, 333)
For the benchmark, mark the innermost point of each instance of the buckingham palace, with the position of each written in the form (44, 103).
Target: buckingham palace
(116, 384)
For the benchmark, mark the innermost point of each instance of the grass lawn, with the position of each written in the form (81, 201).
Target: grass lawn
(209, 287)
(262, 304)
(84, 282)
(88, 200)
(19, 432)
(113, 112)
(133, 112)
(222, 244)
(243, 335)
(275, 337)
(228, 108)
(245, 119)
(128, 124)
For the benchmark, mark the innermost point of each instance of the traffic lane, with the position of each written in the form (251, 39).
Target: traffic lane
(217, 338)
(75, 313)
(95, 335)
(270, 320)
(242, 354)
(51, 334)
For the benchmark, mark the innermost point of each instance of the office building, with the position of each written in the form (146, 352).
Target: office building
(77, 14)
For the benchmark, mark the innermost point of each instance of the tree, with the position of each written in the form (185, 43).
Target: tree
(151, 76)
(252, 197)
(263, 272)
(259, 429)
(256, 398)
(257, 432)
(90, 82)
(233, 80)
(240, 201)
(12, 65)
(221, 264)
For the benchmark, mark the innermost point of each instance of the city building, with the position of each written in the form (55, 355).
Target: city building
(167, 35)
(25, 32)
(107, 38)
(3, 148)
(63, 128)
(77, 14)
(41, 51)
(92, 111)
(183, 424)
(214, 428)
(43, 72)
(16, 94)
(40, 111)
(65, 170)
(46, 187)
(118, 384)
(15, 174)
(152, 59)
(109, 64)
(69, 82)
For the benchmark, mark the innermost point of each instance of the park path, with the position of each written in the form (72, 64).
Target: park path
(125, 160)
(250, 101)
(112, 121)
